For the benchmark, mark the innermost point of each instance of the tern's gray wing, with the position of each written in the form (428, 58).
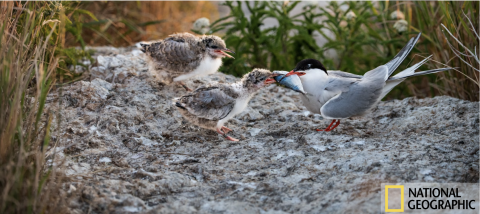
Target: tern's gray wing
(344, 74)
(334, 87)
(355, 97)
(398, 59)
(212, 102)
(176, 49)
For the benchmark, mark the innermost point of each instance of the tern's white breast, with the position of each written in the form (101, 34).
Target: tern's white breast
(207, 66)
(314, 82)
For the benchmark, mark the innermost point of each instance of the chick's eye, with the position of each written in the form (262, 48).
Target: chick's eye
(214, 46)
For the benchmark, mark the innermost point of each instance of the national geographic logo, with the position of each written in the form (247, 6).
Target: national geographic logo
(437, 204)
(430, 198)
(401, 209)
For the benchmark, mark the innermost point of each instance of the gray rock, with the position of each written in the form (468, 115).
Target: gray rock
(102, 83)
(250, 114)
(159, 163)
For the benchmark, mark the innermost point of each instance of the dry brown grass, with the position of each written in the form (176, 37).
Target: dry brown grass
(27, 71)
(178, 16)
(427, 17)
(125, 23)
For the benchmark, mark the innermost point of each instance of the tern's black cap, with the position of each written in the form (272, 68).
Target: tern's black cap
(307, 64)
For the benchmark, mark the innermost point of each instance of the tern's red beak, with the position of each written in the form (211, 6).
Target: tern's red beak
(295, 73)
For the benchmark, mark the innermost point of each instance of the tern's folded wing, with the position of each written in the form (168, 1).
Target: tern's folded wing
(355, 98)
(344, 74)
(335, 86)
(211, 103)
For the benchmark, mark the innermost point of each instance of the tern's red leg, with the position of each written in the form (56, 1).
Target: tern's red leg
(335, 126)
(328, 128)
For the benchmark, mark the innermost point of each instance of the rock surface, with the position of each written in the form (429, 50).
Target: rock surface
(128, 150)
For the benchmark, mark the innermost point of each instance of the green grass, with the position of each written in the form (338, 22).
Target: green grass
(34, 61)
(362, 42)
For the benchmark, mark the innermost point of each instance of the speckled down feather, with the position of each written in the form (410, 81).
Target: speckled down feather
(175, 55)
(178, 54)
(210, 102)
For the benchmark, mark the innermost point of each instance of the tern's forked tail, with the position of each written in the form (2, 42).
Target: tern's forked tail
(409, 72)
(402, 55)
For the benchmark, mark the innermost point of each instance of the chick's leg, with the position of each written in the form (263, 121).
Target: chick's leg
(224, 134)
(226, 130)
(184, 86)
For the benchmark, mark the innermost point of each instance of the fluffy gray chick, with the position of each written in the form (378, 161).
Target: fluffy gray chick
(183, 56)
(212, 105)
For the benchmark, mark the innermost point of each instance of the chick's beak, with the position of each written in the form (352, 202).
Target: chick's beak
(225, 54)
(269, 80)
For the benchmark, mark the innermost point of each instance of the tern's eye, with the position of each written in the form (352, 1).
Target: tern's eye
(214, 46)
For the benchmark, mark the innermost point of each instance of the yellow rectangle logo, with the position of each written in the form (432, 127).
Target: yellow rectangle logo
(401, 195)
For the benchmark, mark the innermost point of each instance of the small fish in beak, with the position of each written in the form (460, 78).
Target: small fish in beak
(293, 81)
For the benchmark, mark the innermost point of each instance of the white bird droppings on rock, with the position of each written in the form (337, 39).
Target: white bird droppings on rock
(161, 164)
(361, 142)
(319, 148)
(131, 209)
(102, 83)
(146, 141)
(426, 171)
(254, 131)
(105, 160)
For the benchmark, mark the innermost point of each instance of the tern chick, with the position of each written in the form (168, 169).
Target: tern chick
(213, 105)
(337, 95)
(183, 56)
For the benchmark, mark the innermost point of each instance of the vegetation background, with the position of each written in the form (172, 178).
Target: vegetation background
(41, 41)
(361, 35)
